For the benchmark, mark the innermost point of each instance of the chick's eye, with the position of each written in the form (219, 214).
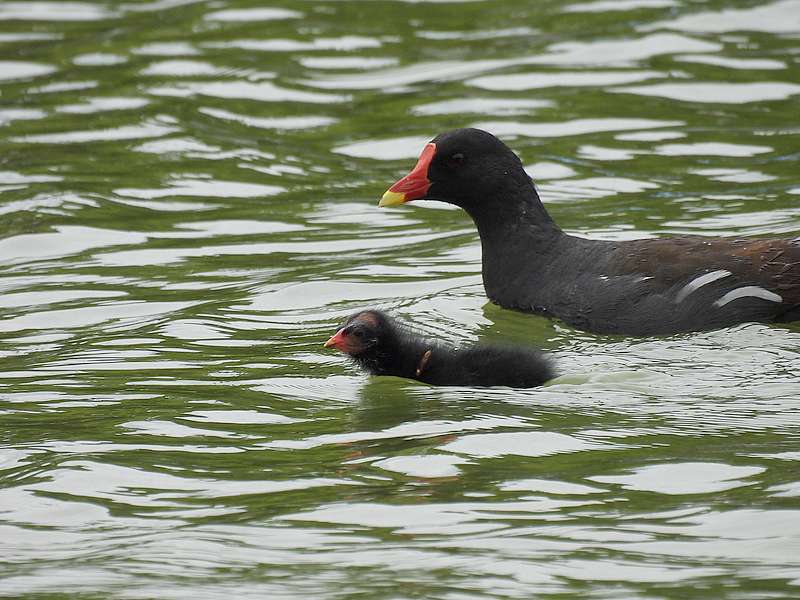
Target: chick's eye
(358, 333)
(458, 158)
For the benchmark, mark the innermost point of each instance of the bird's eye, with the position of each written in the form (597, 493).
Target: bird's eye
(358, 333)
(458, 158)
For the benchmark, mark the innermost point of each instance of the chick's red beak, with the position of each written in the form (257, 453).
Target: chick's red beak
(337, 341)
(414, 185)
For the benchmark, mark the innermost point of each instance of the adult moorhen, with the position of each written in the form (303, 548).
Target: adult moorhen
(637, 287)
(382, 347)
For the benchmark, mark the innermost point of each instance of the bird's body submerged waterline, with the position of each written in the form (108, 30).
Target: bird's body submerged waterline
(380, 346)
(636, 287)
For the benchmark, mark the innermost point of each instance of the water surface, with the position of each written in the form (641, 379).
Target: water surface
(188, 208)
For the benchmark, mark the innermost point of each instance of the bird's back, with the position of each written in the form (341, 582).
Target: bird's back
(489, 365)
(665, 285)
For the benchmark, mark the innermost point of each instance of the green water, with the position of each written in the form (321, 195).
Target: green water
(188, 208)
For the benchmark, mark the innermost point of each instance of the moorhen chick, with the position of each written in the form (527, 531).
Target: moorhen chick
(380, 346)
(636, 287)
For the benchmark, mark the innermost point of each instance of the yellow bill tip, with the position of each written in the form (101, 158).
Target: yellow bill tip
(392, 199)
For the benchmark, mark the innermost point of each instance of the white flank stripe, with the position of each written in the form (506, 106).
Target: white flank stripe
(748, 291)
(699, 282)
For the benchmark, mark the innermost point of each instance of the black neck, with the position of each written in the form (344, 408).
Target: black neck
(517, 236)
(514, 221)
(515, 203)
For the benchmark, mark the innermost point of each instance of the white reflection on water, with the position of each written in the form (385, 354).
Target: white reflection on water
(99, 59)
(592, 152)
(734, 175)
(204, 188)
(549, 486)
(649, 136)
(29, 299)
(54, 11)
(756, 536)
(774, 222)
(7, 115)
(733, 63)
(711, 149)
(101, 104)
(295, 122)
(717, 92)
(618, 5)
(684, 478)
(318, 293)
(17, 69)
(489, 34)
(156, 6)
(391, 149)
(68, 239)
(411, 146)
(531, 81)
(125, 132)
(786, 490)
(346, 62)
(775, 17)
(28, 37)
(264, 91)
(177, 206)
(524, 443)
(237, 227)
(574, 127)
(622, 52)
(180, 145)
(549, 170)
(63, 86)
(72, 318)
(12, 177)
(253, 14)
(343, 44)
(130, 486)
(249, 417)
(593, 187)
(419, 429)
(167, 49)
(167, 256)
(174, 430)
(432, 518)
(427, 466)
(407, 75)
(495, 106)
(183, 68)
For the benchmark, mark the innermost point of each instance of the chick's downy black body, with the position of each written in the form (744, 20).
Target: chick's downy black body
(380, 346)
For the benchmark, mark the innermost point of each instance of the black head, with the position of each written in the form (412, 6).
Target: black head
(470, 168)
(362, 333)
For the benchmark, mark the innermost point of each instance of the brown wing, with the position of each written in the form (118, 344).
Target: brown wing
(773, 264)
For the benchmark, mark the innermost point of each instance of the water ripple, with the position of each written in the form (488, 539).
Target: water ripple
(188, 198)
